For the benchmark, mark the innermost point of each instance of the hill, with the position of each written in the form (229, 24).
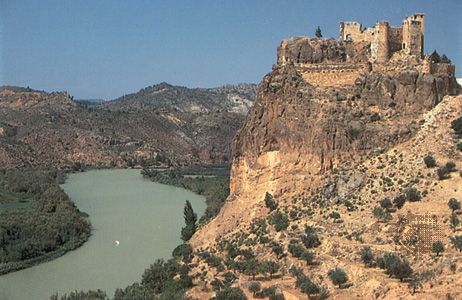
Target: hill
(40, 129)
(228, 98)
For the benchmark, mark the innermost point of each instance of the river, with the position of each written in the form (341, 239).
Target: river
(135, 221)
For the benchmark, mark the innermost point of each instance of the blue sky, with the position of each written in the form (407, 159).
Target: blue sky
(107, 48)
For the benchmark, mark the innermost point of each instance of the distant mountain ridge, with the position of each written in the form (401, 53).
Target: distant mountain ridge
(159, 125)
(236, 98)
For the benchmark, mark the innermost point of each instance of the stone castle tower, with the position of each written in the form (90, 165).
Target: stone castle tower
(385, 40)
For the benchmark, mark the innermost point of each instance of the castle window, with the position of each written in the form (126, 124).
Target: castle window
(404, 45)
(348, 37)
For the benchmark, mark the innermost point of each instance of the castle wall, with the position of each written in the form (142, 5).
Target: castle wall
(440, 68)
(395, 38)
(327, 75)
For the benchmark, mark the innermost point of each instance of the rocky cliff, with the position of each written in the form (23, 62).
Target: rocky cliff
(298, 132)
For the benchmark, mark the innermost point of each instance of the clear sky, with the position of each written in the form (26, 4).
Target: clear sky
(107, 48)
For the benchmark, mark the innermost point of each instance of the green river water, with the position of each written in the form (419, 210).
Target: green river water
(135, 221)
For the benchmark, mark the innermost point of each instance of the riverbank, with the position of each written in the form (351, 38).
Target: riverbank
(210, 181)
(135, 222)
(38, 221)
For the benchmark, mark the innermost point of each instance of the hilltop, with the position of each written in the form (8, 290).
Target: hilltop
(330, 169)
(41, 129)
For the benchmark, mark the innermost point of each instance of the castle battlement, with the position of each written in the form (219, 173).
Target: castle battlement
(385, 40)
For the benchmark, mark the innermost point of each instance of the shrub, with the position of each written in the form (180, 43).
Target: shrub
(134, 291)
(457, 242)
(295, 248)
(334, 215)
(254, 287)
(308, 257)
(438, 247)
(280, 221)
(429, 161)
(386, 203)
(157, 274)
(310, 239)
(231, 293)
(456, 125)
(459, 146)
(277, 297)
(277, 249)
(454, 221)
(454, 204)
(269, 202)
(399, 201)
(338, 276)
(442, 173)
(413, 195)
(367, 256)
(381, 214)
(451, 166)
(395, 266)
(184, 250)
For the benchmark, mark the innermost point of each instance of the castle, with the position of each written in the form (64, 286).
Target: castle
(385, 40)
(359, 51)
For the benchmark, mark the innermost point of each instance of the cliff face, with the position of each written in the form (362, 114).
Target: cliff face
(299, 133)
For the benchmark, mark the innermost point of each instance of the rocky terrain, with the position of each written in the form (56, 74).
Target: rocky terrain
(312, 167)
(40, 129)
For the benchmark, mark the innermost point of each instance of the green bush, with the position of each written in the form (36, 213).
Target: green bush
(310, 239)
(230, 293)
(438, 247)
(367, 256)
(295, 248)
(399, 201)
(456, 125)
(279, 220)
(429, 161)
(412, 195)
(454, 204)
(386, 203)
(269, 202)
(338, 276)
(457, 242)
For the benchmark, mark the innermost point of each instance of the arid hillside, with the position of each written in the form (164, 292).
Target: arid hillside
(39, 129)
(325, 171)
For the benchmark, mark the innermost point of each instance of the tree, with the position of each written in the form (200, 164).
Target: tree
(155, 277)
(435, 57)
(280, 221)
(270, 267)
(429, 161)
(254, 287)
(190, 219)
(318, 32)
(338, 276)
(443, 173)
(438, 247)
(310, 239)
(454, 204)
(231, 293)
(367, 256)
(454, 222)
(451, 166)
(445, 59)
(457, 242)
(269, 202)
(308, 257)
(251, 267)
(400, 268)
